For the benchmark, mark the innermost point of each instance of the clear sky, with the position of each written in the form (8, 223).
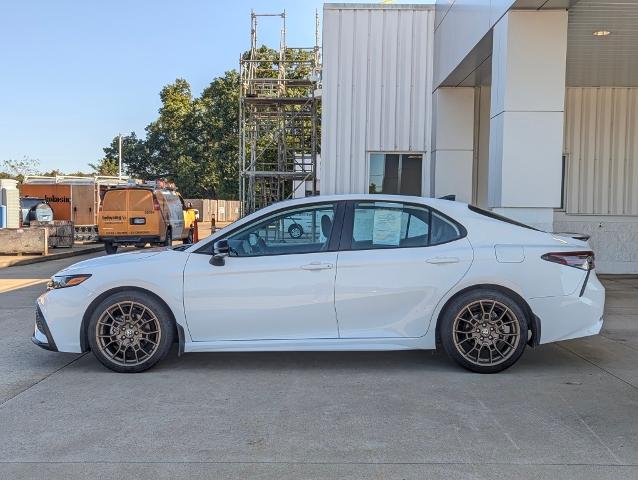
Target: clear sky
(75, 73)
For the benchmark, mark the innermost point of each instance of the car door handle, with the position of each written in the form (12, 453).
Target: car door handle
(317, 266)
(441, 260)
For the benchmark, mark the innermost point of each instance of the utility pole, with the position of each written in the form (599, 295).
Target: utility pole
(119, 170)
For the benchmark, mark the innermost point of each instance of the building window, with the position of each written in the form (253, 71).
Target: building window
(395, 173)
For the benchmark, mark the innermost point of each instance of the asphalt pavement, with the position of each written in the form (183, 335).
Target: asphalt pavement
(566, 410)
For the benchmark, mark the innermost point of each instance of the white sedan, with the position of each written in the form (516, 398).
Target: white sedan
(369, 272)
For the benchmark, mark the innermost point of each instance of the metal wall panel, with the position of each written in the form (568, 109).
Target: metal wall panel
(601, 144)
(376, 84)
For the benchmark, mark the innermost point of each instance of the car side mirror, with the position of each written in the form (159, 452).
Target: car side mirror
(221, 249)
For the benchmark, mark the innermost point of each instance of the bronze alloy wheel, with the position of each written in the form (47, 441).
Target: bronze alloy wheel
(486, 332)
(128, 333)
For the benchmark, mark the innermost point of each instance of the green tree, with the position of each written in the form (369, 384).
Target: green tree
(215, 117)
(171, 140)
(195, 140)
(133, 153)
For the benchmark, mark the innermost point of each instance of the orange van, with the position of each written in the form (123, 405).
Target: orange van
(141, 215)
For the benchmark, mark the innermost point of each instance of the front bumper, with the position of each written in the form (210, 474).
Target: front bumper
(62, 310)
(42, 335)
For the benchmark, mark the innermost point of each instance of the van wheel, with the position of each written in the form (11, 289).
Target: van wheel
(168, 240)
(484, 331)
(110, 248)
(190, 239)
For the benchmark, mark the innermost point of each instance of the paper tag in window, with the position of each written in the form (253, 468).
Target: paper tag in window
(387, 227)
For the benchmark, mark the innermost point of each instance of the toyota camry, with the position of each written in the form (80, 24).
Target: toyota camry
(366, 272)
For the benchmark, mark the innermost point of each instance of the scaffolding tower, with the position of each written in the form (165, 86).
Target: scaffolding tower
(278, 119)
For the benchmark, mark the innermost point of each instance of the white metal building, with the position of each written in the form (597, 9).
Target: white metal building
(527, 107)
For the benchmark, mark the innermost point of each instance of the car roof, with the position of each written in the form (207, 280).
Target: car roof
(132, 187)
(437, 203)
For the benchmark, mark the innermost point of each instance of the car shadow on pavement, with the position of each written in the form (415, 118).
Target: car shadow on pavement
(543, 358)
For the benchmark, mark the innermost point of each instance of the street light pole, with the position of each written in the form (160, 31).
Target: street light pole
(119, 170)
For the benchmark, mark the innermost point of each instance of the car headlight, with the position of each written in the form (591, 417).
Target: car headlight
(64, 281)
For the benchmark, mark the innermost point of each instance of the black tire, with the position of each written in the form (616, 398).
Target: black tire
(110, 248)
(486, 324)
(168, 239)
(140, 245)
(295, 231)
(191, 237)
(108, 334)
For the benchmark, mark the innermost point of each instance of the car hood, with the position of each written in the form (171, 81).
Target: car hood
(120, 258)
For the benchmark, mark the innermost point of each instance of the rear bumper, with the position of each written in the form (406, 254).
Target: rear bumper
(571, 316)
(129, 240)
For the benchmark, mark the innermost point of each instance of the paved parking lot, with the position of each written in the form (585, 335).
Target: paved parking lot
(567, 410)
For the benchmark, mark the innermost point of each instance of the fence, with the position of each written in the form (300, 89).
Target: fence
(226, 211)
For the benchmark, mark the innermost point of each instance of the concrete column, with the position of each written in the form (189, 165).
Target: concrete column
(526, 117)
(453, 142)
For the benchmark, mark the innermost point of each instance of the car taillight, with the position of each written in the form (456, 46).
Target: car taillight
(156, 205)
(583, 260)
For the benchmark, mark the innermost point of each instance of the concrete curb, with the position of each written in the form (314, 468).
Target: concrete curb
(52, 256)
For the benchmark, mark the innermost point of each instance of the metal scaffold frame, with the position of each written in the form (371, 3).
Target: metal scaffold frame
(278, 119)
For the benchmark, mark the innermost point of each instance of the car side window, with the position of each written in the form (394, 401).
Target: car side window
(389, 225)
(398, 225)
(443, 230)
(299, 230)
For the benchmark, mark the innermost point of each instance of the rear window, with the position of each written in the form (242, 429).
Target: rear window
(114, 200)
(496, 216)
(140, 200)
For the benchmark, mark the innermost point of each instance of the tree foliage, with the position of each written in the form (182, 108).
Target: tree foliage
(133, 150)
(195, 140)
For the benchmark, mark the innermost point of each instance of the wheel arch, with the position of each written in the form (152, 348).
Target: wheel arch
(84, 340)
(533, 322)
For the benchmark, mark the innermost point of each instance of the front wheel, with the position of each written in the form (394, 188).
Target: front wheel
(484, 331)
(191, 237)
(168, 240)
(130, 332)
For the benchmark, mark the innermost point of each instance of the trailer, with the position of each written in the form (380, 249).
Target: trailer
(73, 198)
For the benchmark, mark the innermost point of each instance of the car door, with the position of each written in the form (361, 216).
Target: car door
(397, 261)
(273, 285)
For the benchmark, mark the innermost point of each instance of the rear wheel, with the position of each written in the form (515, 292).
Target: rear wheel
(110, 248)
(168, 240)
(484, 331)
(189, 240)
(130, 332)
